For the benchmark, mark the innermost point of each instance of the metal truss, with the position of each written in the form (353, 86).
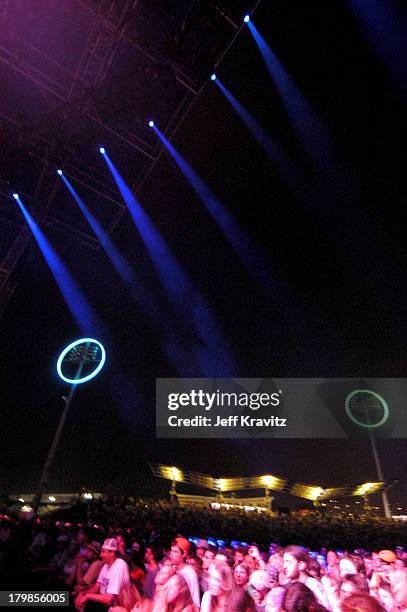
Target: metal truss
(44, 197)
(73, 92)
(95, 59)
(70, 99)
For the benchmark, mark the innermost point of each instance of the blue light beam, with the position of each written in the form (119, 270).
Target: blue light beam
(77, 303)
(148, 303)
(385, 26)
(212, 353)
(248, 253)
(313, 134)
(272, 148)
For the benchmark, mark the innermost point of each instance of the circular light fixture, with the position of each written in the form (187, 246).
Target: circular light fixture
(16, 196)
(79, 381)
(151, 123)
(59, 172)
(246, 18)
(213, 77)
(102, 150)
(374, 397)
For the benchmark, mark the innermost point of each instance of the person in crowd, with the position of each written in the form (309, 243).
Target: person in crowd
(60, 556)
(83, 538)
(122, 545)
(361, 602)
(136, 563)
(276, 560)
(128, 600)
(351, 564)
(332, 563)
(241, 575)
(220, 587)
(161, 585)
(400, 563)
(69, 568)
(380, 580)
(275, 598)
(201, 547)
(152, 557)
(240, 601)
(368, 561)
(83, 579)
(178, 555)
(113, 576)
(259, 586)
(295, 567)
(250, 562)
(254, 553)
(179, 596)
(226, 555)
(352, 583)
(398, 581)
(240, 553)
(196, 564)
(299, 598)
(206, 561)
(314, 568)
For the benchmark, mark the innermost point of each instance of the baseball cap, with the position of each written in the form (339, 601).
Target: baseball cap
(183, 544)
(110, 544)
(387, 555)
(260, 580)
(95, 546)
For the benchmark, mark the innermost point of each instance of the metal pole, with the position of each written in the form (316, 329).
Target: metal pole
(385, 499)
(51, 454)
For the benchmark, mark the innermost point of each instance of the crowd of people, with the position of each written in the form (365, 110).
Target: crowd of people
(151, 567)
(143, 516)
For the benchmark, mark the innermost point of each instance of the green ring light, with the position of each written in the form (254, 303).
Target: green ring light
(386, 411)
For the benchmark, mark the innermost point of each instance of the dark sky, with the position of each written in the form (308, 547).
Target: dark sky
(339, 249)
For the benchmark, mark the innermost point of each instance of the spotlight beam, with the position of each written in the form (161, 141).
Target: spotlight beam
(272, 148)
(73, 296)
(240, 242)
(313, 134)
(211, 350)
(143, 297)
(384, 25)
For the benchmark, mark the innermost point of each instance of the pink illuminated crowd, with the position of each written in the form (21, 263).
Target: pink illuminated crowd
(121, 573)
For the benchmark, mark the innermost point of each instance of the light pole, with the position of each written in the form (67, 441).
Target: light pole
(81, 352)
(367, 401)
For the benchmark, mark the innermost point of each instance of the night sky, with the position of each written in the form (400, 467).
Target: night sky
(336, 242)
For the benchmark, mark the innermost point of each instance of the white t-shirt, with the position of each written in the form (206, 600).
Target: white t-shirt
(191, 579)
(206, 602)
(113, 577)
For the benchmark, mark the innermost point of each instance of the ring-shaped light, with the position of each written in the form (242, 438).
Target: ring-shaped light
(386, 411)
(66, 350)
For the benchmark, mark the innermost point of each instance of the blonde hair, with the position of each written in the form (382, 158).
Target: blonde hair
(226, 576)
(128, 596)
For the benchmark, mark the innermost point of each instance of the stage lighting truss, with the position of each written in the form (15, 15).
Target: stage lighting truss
(82, 100)
(313, 493)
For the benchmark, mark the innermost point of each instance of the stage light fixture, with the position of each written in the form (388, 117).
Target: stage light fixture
(59, 172)
(151, 124)
(15, 196)
(213, 77)
(246, 18)
(102, 150)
